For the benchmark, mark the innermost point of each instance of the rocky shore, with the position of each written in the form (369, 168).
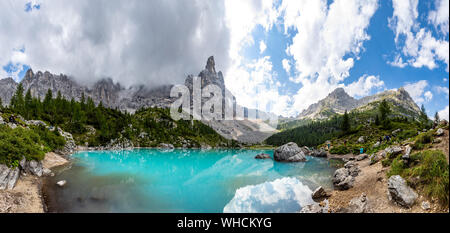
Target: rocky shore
(26, 195)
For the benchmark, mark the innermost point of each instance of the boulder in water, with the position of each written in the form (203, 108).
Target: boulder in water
(262, 156)
(285, 152)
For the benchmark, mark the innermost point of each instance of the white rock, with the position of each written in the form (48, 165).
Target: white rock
(61, 183)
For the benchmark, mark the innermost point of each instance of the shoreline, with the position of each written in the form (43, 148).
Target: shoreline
(28, 195)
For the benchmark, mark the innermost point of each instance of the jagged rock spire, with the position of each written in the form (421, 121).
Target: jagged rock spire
(29, 74)
(210, 65)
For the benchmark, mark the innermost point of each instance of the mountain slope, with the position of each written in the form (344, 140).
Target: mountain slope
(338, 101)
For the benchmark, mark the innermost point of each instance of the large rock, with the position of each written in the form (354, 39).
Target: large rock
(8, 177)
(407, 152)
(342, 180)
(319, 153)
(352, 168)
(319, 194)
(358, 205)
(166, 146)
(361, 157)
(395, 132)
(70, 145)
(439, 132)
(400, 192)
(394, 150)
(361, 140)
(377, 144)
(32, 167)
(2, 122)
(289, 152)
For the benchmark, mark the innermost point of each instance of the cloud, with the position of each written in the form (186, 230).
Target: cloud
(364, 86)
(286, 195)
(255, 85)
(329, 40)
(418, 46)
(443, 114)
(286, 65)
(149, 42)
(440, 16)
(428, 96)
(262, 47)
(440, 90)
(417, 91)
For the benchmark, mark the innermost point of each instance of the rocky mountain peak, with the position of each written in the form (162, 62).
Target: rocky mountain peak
(211, 65)
(29, 74)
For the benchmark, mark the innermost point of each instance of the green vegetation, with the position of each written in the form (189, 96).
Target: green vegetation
(96, 125)
(433, 170)
(31, 143)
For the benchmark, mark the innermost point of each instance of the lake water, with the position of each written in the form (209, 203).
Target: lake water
(207, 181)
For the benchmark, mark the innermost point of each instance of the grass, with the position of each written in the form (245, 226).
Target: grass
(432, 169)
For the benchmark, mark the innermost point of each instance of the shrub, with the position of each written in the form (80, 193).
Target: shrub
(340, 150)
(432, 168)
(19, 142)
(405, 134)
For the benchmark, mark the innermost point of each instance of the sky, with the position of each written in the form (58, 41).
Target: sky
(276, 55)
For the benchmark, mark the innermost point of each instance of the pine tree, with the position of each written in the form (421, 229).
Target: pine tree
(384, 109)
(377, 120)
(423, 115)
(28, 105)
(1, 104)
(17, 101)
(345, 123)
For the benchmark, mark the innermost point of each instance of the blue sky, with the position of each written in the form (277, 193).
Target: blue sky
(364, 46)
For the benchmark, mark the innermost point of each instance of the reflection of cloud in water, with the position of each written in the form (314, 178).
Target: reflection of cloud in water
(284, 195)
(233, 166)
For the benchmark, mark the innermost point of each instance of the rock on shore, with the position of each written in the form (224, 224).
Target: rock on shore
(289, 152)
(400, 192)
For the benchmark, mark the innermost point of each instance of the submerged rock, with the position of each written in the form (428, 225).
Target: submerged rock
(289, 152)
(262, 156)
(400, 192)
(61, 183)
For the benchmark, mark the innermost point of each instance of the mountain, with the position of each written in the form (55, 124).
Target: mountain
(114, 95)
(111, 94)
(338, 101)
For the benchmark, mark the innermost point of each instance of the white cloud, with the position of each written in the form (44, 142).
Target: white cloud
(364, 86)
(440, 16)
(279, 196)
(443, 114)
(420, 48)
(286, 65)
(428, 96)
(417, 90)
(440, 90)
(262, 47)
(329, 40)
(147, 42)
(255, 86)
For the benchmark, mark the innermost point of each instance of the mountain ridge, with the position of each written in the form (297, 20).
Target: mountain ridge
(338, 101)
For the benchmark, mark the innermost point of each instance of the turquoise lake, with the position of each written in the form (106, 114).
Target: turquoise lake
(207, 181)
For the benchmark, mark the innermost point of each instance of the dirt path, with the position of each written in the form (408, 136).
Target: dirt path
(372, 181)
(26, 197)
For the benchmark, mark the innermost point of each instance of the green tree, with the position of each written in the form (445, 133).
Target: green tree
(423, 116)
(1, 104)
(28, 105)
(345, 123)
(17, 101)
(384, 110)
